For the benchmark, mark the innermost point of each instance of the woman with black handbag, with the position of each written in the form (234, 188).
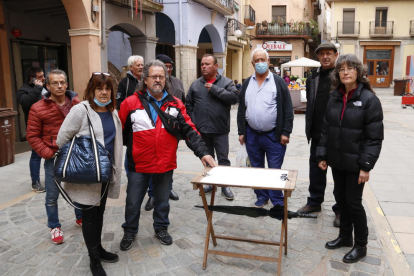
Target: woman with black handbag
(97, 110)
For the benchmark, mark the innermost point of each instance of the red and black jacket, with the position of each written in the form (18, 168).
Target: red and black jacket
(150, 148)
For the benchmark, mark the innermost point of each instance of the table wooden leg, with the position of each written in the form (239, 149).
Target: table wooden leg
(213, 196)
(279, 262)
(285, 221)
(206, 210)
(209, 228)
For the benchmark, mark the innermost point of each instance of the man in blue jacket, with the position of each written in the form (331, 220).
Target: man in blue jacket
(265, 121)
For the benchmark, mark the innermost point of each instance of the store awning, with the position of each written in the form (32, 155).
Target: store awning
(380, 43)
(302, 62)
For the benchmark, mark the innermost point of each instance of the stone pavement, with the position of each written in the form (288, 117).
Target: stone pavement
(26, 249)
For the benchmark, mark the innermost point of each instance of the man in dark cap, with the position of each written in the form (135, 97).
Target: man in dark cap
(318, 86)
(177, 90)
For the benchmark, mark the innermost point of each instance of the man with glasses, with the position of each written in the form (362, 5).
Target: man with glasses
(45, 118)
(27, 95)
(152, 149)
(318, 86)
(208, 103)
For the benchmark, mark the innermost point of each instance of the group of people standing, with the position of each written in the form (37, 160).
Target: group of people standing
(344, 127)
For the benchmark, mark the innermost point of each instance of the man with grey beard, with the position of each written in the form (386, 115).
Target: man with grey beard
(151, 149)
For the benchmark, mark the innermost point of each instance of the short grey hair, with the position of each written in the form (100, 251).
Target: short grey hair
(257, 50)
(132, 59)
(145, 73)
(56, 72)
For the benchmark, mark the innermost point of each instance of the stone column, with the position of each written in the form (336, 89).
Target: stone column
(247, 64)
(237, 65)
(221, 59)
(186, 64)
(104, 53)
(144, 46)
(86, 56)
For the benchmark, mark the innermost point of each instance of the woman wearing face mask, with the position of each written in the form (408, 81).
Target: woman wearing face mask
(99, 100)
(350, 144)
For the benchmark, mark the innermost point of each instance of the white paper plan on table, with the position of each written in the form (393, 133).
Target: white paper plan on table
(252, 177)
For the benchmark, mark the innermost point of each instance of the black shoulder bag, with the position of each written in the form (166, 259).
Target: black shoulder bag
(171, 123)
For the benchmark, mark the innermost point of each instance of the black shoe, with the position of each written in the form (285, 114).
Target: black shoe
(150, 204)
(126, 242)
(106, 256)
(227, 193)
(339, 242)
(306, 209)
(37, 187)
(163, 236)
(356, 254)
(337, 221)
(207, 189)
(96, 267)
(173, 195)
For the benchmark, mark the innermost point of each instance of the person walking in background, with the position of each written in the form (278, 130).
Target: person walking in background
(238, 85)
(45, 118)
(286, 77)
(99, 100)
(128, 84)
(318, 87)
(265, 121)
(152, 150)
(350, 144)
(209, 101)
(27, 95)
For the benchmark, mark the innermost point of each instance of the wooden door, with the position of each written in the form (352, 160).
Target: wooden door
(379, 61)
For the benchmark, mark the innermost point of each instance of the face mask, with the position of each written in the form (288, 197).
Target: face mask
(101, 104)
(261, 67)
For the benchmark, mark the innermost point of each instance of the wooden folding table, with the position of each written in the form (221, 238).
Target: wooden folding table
(238, 177)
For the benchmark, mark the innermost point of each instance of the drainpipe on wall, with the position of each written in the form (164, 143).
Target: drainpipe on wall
(180, 5)
(103, 25)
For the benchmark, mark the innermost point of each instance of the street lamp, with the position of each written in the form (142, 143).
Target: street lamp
(238, 33)
(337, 44)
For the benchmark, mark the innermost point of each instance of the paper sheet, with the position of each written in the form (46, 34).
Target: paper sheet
(245, 177)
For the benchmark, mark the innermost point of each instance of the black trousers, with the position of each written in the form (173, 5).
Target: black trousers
(349, 198)
(317, 180)
(92, 221)
(219, 143)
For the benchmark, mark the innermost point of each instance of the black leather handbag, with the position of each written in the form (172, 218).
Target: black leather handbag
(83, 160)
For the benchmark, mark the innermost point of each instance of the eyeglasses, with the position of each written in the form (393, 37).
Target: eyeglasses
(325, 54)
(169, 66)
(161, 78)
(100, 73)
(349, 70)
(58, 83)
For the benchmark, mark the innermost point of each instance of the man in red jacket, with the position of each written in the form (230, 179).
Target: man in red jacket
(45, 118)
(152, 150)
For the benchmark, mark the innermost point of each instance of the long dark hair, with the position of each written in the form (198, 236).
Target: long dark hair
(352, 61)
(99, 81)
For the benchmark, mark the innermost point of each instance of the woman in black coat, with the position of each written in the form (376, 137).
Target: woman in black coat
(350, 144)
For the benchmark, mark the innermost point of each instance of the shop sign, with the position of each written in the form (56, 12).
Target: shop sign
(275, 46)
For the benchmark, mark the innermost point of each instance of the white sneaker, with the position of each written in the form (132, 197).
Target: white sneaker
(57, 235)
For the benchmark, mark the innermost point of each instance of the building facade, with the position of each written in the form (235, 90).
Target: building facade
(380, 33)
(287, 29)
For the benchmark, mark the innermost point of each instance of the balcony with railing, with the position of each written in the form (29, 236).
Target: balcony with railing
(381, 28)
(249, 15)
(275, 30)
(412, 28)
(147, 5)
(348, 28)
(224, 7)
(236, 33)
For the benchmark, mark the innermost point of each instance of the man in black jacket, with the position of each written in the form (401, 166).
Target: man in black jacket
(128, 84)
(318, 87)
(265, 121)
(27, 95)
(208, 103)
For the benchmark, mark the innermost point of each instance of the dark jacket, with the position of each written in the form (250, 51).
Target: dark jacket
(353, 143)
(44, 123)
(126, 88)
(284, 120)
(27, 95)
(210, 110)
(177, 88)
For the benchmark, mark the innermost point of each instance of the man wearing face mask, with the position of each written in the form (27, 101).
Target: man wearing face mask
(265, 121)
(208, 103)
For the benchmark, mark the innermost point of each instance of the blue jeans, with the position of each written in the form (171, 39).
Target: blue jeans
(136, 189)
(34, 165)
(259, 145)
(52, 195)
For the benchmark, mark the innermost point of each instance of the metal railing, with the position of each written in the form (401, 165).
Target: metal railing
(127, 3)
(412, 27)
(283, 29)
(227, 3)
(249, 14)
(381, 27)
(348, 27)
(232, 26)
